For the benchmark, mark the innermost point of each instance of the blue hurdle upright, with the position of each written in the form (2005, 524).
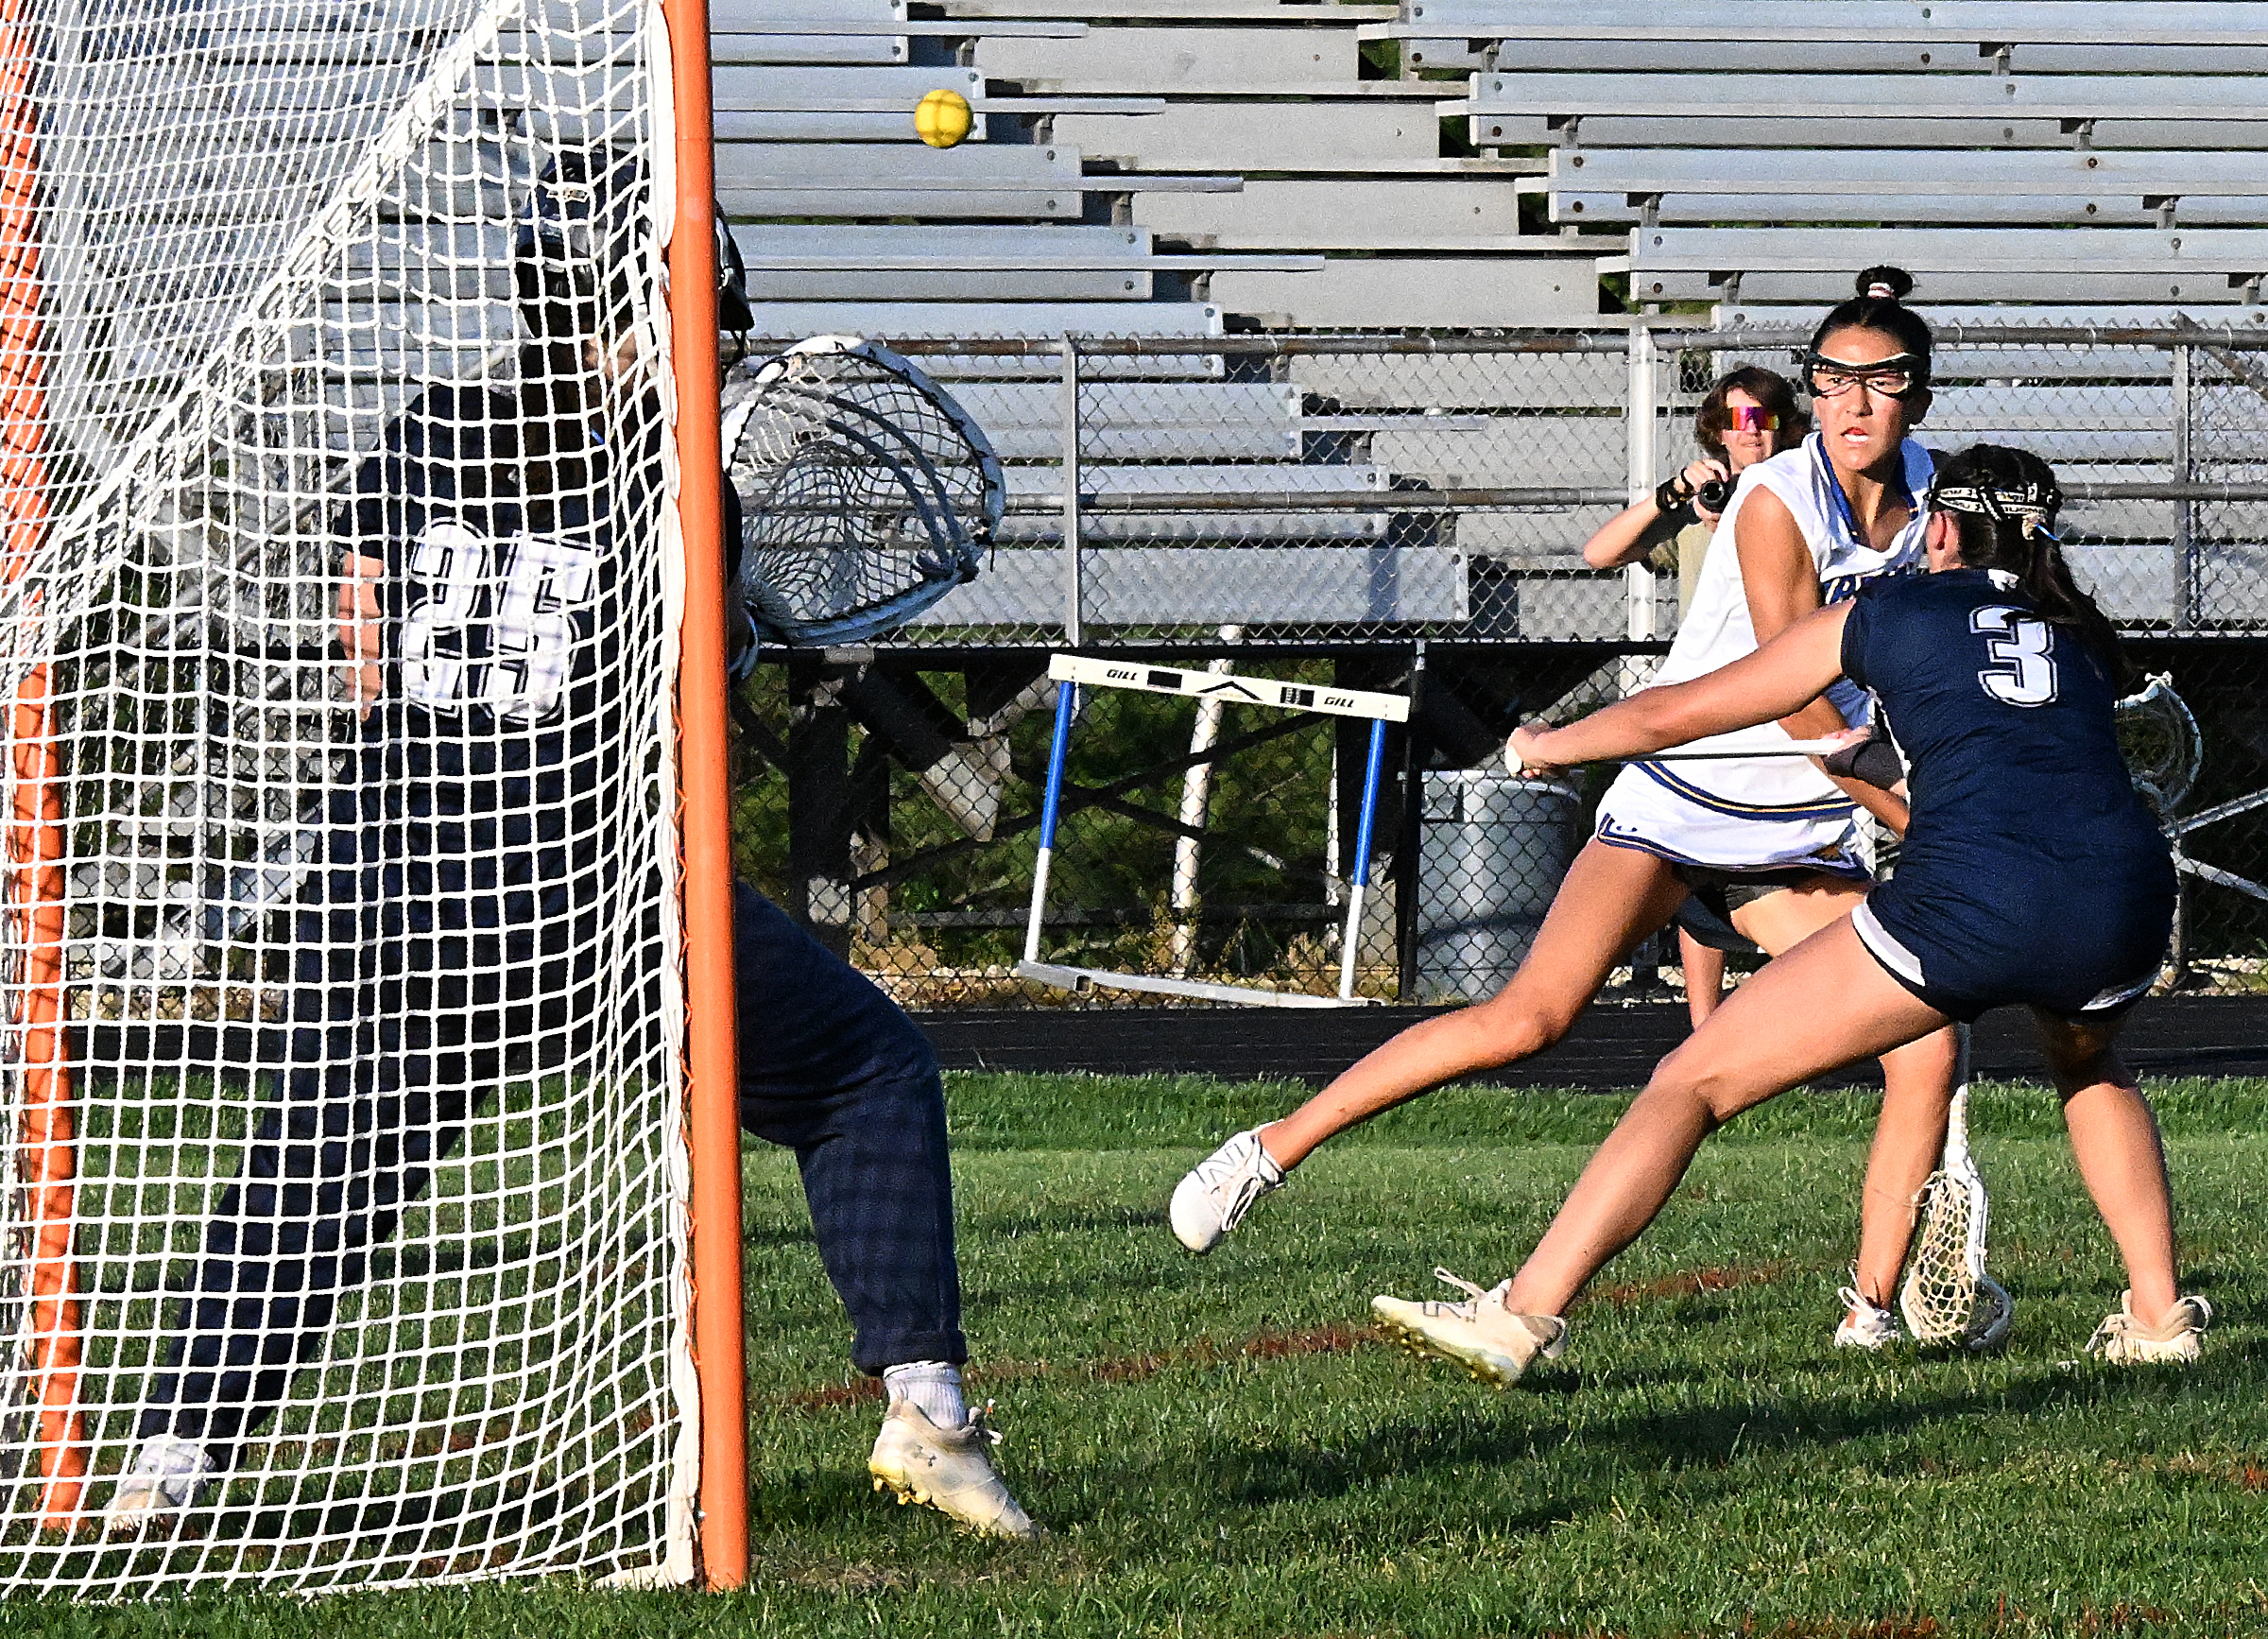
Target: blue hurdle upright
(1075, 672)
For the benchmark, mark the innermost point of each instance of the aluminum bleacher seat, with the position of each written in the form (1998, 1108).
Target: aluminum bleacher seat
(1042, 320)
(1171, 10)
(805, 103)
(2002, 22)
(899, 321)
(1364, 137)
(1035, 495)
(835, 262)
(1178, 59)
(1468, 213)
(1543, 285)
(1196, 587)
(1560, 382)
(1023, 180)
(1186, 421)
(1909, 101)
(830, 31)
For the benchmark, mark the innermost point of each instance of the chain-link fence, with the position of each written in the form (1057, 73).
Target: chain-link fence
(1403, 514)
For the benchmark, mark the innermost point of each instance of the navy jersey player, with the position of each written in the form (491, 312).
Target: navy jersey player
(469, 868)
(2033, 876)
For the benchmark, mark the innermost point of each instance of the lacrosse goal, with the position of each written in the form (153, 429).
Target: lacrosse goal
(365, 947)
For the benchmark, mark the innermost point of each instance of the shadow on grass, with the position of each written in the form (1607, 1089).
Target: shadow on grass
(1496, 1435)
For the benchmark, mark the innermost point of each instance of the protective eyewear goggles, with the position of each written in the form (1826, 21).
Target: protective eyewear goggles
(1748, 418)
(1900, 376)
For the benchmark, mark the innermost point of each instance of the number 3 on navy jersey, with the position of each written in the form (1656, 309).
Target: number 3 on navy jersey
(2022, 672)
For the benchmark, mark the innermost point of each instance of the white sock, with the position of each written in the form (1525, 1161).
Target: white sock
(933, 1385)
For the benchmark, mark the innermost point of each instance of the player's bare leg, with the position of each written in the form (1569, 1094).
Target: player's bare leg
(1703, 968)
(2115, 1140)
(1824, 1004)
(1917, 1092)
(1611, 898)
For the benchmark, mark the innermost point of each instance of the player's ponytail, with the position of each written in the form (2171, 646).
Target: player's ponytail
(1879, 306)
(2003, 503)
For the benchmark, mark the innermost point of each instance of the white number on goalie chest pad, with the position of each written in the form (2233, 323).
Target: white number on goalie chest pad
(520, 595)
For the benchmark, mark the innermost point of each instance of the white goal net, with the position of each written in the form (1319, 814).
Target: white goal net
(341, 1061)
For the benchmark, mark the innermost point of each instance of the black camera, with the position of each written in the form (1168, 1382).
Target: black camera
(1712, 495)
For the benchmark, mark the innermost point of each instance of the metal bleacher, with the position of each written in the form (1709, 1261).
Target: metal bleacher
(2067, 151)
(1138, 169)
(1192, 169)
(1263, 167)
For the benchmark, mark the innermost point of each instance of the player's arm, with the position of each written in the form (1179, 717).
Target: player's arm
(1782, 584)
(361, 627)
(1771, 683)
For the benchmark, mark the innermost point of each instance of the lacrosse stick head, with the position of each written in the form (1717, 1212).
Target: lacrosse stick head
(1939, 1298)
(1947, 1297)
(2163, 750)
(866, 493)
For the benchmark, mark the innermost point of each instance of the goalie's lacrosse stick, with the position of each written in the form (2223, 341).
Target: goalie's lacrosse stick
(1947, 1296)
(2164, 752)
(2160, 740)
(866, 493)
(1516, 767)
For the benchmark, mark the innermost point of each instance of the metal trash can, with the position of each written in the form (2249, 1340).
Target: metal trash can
(1492, 852)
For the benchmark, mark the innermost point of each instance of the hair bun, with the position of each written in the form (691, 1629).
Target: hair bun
(1885, 284)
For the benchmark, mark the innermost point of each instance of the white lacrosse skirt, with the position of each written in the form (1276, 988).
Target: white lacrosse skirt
(1649, 808)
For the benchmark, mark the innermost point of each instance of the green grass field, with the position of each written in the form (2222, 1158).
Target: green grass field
(1221, 1446)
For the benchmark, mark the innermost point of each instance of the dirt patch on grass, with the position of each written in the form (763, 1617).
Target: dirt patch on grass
(1332, 1339)
(1686, 1282)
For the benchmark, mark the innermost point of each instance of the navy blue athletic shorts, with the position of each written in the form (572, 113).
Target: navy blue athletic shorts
(2077, 938)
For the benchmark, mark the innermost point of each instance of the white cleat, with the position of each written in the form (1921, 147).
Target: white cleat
(1213, 1199)
(1866, 1323)
(948, 1469)
(2122, 1340)
(1479, 1333)
(166, 1473)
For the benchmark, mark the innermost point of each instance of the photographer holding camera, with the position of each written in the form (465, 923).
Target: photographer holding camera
(1749, 415)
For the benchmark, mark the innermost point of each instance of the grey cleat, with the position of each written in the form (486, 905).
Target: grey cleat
(1219, 1190)
(949, 1468)
(166, 1473)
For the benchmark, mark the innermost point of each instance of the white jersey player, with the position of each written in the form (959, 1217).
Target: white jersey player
(1762, 847)
(1741, 813)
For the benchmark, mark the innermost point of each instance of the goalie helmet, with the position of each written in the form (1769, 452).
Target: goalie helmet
(583, 238)
(587, 223)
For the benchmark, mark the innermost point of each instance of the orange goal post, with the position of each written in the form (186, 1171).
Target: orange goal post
(365, 994)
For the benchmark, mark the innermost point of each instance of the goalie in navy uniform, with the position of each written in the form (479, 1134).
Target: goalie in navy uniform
(470, 866)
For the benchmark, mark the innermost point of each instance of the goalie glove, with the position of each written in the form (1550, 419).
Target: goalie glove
(1873, 760)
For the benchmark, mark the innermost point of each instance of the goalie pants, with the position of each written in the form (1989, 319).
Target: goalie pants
(411, 967)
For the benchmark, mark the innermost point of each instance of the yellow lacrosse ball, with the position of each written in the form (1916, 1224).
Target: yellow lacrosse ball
(942, 119)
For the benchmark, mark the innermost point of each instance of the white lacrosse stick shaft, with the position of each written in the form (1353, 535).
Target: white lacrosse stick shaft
(1686, 754)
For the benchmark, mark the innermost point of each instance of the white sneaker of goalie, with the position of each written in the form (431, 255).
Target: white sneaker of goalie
(1865, 1324)
(948, 1469)
(2122, 1340)
(1213, 1199)
(1479, 1333)
(163, 1479)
